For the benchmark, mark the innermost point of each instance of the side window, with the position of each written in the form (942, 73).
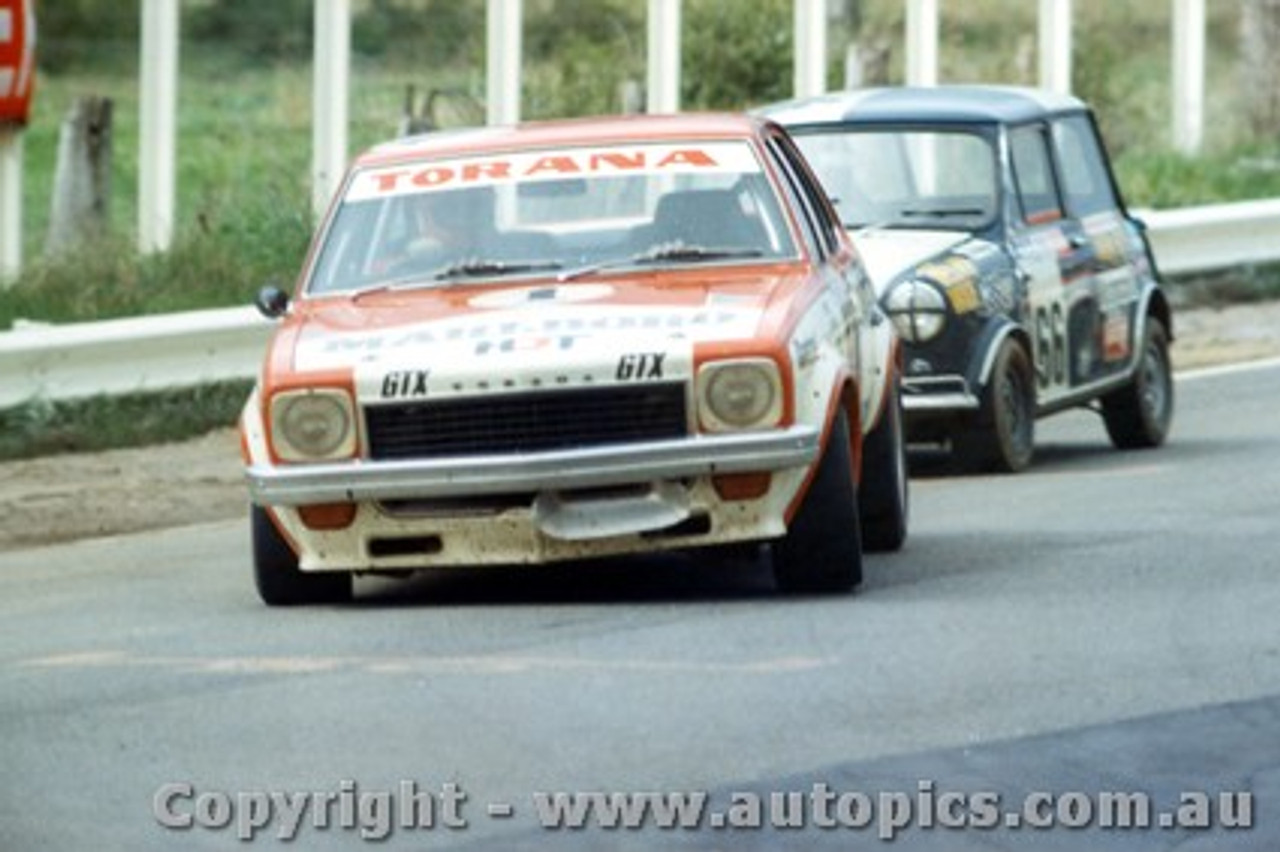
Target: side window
(814, 195)
(1085, 179)
(794, 191)
(1033, 173)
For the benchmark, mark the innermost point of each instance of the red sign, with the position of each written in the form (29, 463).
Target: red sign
(17, 59)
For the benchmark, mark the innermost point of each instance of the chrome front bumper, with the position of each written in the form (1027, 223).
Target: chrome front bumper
(561, 470)
(938, 393)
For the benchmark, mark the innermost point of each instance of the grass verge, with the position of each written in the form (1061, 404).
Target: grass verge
(43, 427)
(1258, 283)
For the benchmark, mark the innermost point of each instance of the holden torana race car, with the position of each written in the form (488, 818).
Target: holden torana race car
(571, 340)
(991, 224)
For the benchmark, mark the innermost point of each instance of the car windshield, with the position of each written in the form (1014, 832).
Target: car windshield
(905, 178)
(565, 212)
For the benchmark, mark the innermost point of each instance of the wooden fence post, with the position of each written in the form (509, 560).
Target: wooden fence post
(82, 180)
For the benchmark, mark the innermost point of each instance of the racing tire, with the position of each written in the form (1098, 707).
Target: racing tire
(1138, 415)
(1002, 438)
(822, 549)
(275, 570)
(883, 496)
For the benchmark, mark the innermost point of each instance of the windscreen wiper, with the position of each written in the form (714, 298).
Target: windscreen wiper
(943, 212)
(681, 253)
(665, 253)
(481, 268)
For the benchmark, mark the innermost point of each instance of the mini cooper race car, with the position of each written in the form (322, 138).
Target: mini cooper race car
(991, 224)
(573, 340)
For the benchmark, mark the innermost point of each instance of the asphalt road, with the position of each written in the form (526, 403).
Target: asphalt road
(1104, 622)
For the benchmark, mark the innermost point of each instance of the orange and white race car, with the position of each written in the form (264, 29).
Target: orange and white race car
(571, 340)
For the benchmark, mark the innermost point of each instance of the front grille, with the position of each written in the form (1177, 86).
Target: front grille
(527, 422)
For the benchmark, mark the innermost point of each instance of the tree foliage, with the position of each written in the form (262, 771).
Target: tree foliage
(274, 30)
(580, 69)
(425, 32)
(578, 54)
(734, 60)
(72, 33)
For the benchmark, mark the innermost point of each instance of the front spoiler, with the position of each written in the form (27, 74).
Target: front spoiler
(560, 470)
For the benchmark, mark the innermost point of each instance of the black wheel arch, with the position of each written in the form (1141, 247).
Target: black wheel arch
(987, 347)
(1156, 304)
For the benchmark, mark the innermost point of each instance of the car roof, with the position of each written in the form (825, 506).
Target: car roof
(564, 133)
(961, 104)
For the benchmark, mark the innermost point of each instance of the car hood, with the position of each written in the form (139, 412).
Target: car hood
(887, 253)
(505, 326)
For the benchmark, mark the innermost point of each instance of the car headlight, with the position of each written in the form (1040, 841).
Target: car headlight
(313, 425)
(739, 394)
(918, 311)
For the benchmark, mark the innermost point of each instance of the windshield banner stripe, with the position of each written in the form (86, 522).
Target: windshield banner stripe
(515, 167)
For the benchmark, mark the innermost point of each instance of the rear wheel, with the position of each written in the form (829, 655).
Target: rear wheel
(822, 550)
(1138, 415)
(883, 495)
(275, 570)
(1002, 438)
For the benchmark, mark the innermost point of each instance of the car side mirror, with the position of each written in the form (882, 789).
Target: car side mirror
(272, 302)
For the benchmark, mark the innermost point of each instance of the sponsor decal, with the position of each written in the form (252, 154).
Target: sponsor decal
(509, 333)
(953, 270)
(508, 345)
(1115, 337)
(957, 275)
(964, 297)
(804, 351)
(1117, 287)
(1111, 247)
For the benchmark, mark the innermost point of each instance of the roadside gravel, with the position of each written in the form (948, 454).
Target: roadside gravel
(65, 497)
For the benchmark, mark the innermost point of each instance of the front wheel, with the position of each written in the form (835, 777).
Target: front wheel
(1138, 415)
(275, 570)
(822, 549)
(883, 495)
(1002, 437)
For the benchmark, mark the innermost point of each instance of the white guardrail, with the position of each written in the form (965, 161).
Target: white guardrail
(59, 362)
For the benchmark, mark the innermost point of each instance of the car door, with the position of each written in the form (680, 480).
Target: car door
(1057, 260)
(824, 235)
(1093, 204)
